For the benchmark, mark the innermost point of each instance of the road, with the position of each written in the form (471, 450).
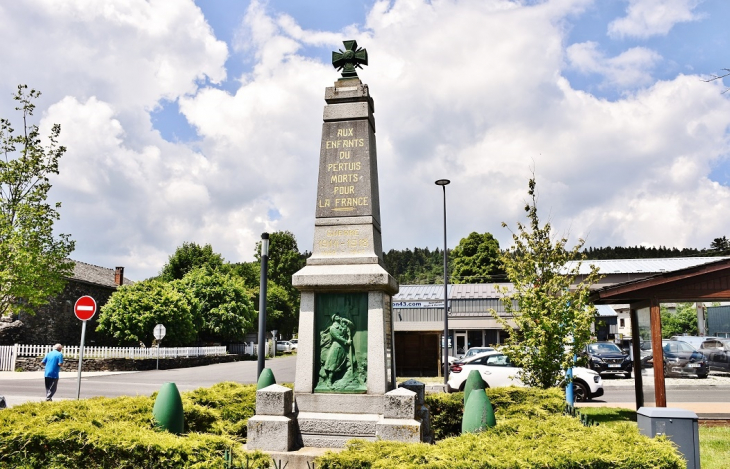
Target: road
(19, 389)
(23, 387)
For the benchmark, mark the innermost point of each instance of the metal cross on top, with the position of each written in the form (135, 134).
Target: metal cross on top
(349, 59)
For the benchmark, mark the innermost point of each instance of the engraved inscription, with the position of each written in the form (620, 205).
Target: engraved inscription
(338, 241)
(344, 179)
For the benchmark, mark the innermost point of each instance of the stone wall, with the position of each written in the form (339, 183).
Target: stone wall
(124, 364)
(57, 323)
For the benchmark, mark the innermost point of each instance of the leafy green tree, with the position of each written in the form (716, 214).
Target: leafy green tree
(284, 258)
(33, 263)
(682, 321)
(418, 267)
(132, 312)
(552, 319)
(188, 257)
(248, 272)
(282, 312)
(222, 308)
(476, 259)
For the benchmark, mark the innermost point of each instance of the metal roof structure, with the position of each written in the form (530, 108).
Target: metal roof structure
(456, 292)
(647, 266)
(606, 311)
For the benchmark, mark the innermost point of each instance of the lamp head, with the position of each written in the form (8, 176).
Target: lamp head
(442, 182)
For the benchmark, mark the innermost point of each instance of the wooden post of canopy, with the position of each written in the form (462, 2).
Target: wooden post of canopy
(657, 353)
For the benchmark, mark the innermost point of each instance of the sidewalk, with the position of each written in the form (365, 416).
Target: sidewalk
(24, 375)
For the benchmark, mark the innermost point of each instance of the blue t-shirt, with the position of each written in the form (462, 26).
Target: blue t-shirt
(53, 363)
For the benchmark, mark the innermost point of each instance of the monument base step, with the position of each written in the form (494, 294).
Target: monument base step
(345, 425)
(331, 441)
(303, 458)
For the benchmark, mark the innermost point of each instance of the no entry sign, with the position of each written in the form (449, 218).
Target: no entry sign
(85, 308)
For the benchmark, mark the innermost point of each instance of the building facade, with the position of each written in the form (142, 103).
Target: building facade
(56, 321)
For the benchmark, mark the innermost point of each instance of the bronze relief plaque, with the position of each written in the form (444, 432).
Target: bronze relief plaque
(341, 342)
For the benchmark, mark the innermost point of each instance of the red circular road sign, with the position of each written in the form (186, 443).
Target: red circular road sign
(85, 308)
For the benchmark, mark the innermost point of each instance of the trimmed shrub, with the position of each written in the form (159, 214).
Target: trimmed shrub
(120, 432)
(447, 409)
(552, 442)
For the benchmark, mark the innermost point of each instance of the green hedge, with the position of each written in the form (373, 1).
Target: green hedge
(120, 433)
(531, 432)
(446, 409)
(521, 442)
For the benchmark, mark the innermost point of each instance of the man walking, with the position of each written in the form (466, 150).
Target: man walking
(53, 362)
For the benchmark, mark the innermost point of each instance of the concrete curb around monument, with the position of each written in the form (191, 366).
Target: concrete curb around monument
(345, 376)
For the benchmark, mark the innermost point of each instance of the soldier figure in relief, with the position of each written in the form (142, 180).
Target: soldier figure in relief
(337, 348)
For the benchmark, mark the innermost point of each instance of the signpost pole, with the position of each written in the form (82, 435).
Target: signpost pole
(81, 359)
(159, 332)
(84, 309)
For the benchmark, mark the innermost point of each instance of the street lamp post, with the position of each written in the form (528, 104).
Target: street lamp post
(443, 183)
(262, 303)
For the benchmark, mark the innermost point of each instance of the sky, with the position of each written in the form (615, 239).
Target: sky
(200, 121)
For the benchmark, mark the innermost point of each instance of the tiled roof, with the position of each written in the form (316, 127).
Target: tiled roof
(95, 274)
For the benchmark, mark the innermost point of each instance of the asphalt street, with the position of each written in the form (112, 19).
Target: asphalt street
(24, 387)
(18, 388)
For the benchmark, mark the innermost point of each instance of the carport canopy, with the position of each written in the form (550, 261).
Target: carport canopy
(705, 282)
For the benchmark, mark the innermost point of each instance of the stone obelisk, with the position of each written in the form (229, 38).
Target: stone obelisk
(345, 324)
(345, 381)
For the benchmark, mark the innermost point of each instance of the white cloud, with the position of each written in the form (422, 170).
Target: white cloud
(646, 18)
(629, 69)
(470, 90)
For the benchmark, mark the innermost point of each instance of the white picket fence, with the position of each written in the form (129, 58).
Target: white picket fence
(9, 353)
(7, 357)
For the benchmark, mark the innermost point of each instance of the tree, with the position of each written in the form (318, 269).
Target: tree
(476, 259)
(682, 321)
(133, 311)
(720, 246)
(720, 77)
(188, 257)
(552, 319)
(222, 309)
(33, 263)
(284, 258)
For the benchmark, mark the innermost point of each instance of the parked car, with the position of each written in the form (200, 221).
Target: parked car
(717, 354)
(283, 346)
(469, 354)
(608, 358)
(496, 370)
(294, 343)
(681, 359)
(693, 340)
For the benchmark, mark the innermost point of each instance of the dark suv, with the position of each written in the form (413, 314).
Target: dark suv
(681, 359)
(608, 358)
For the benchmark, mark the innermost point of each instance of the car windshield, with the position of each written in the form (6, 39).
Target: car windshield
(606, 347)
(645, 345)
(674, 346)
(473, 351)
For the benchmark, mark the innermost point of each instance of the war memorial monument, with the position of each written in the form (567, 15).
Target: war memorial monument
(345, 383)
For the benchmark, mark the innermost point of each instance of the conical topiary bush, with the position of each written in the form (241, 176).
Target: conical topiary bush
(478, 413)
(266, 379)
(168, 409)
(473, 381)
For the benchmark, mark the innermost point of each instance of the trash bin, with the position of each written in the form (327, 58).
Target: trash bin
(679, 425)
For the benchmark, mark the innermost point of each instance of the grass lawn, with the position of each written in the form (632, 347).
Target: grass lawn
(714, 441)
